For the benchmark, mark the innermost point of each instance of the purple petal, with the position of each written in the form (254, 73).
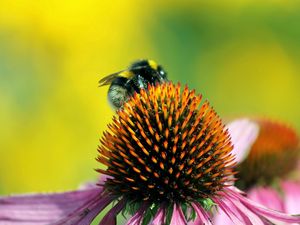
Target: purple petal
(291, 196)
(268, 197)
(159, 218)
(178, 217)
(227, 213)
(86, 213)
(137, 218)
(43, 208)
(111, 217)
(246, 214)
(202, 216)
(259, 209)
(243, 133)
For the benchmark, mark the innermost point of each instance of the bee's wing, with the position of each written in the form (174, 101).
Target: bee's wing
(108, 79)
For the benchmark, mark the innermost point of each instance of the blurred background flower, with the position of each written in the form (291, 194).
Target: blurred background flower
(244, 57)
(269, 172)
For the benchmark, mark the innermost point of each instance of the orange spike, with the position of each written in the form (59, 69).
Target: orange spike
(118, 164)
(128, 162)
(189, 171)
(141, 161)
(154, 159)
(184, 135)
(129, 179)
(163, 155)
(192, 150)
(182, 155)
(166, 144)
(136, 169)
(191, 161)
(176, 130)
(157, 137)
(181, 167)
(165, 112)
(148, 169)
(123, 171)
(173, 160)
(174, 149)
(167, 132)
(143, 178)
(169, 121)
(149, 126)
(176, 140)
(161, 165)
(156, 148)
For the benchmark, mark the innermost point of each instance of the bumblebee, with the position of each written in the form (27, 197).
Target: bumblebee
(125, 83)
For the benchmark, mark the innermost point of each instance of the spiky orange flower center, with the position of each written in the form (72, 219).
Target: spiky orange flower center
(162, 147)
(274, 154)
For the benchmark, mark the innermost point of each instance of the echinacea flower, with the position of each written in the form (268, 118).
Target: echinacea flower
(168, 161)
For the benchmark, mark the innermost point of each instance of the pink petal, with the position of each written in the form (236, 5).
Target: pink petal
(86, 213)
(227, 213)
(178, 217)
(43, 208)
(243, 133)
(268, 197)
(110, 217)
(159, 218)
(221, 218)
(247, 215)
(259, 209)
(291, 196)
(202, 216)
(137, 218)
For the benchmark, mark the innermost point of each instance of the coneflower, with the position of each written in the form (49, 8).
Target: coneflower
(168, 161)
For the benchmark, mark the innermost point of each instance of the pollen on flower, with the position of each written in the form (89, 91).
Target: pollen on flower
(165, 145)
(274, 154)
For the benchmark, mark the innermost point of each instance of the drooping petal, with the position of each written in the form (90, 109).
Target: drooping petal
(263, 212)
(246, 214)
(86, 213)
(268, 197)
(178, 217)
(227, 213)
(291, 191)
(43, 208)
(243, 133)
(111, 217)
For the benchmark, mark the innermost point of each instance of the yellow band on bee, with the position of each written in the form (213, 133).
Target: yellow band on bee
(153, 64)
(126, 74)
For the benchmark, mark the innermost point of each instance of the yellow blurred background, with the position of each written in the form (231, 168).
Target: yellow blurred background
(244, 56)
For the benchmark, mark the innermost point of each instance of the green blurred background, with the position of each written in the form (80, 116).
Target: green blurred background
(244, 56)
